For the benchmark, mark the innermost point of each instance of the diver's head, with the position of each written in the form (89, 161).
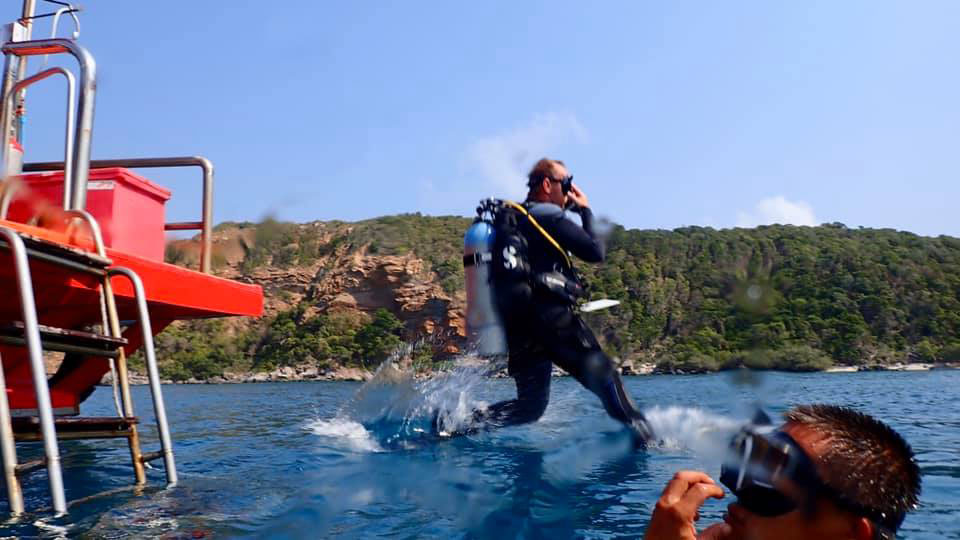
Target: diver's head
(549, 181)
(829, 472)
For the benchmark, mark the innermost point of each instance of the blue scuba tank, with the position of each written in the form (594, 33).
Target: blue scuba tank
(484, 326)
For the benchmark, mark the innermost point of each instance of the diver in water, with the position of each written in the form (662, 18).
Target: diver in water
(541, 325)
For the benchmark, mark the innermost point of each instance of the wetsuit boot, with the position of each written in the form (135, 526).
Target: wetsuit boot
(531, 373)
(601, 378)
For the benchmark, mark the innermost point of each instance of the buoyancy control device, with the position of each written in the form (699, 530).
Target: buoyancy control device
(498, 275)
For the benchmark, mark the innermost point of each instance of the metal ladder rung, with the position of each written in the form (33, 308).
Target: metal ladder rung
(70, 256)
(64, 340)
(151, 456)
(28, 467)
(97, 427)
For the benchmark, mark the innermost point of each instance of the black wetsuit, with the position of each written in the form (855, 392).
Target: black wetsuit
(547, 331)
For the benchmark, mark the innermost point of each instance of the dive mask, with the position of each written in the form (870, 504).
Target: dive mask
(771, 475)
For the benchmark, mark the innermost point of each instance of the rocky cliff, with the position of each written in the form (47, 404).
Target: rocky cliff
(318, 270)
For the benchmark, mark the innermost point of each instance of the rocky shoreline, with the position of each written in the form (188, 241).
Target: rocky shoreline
(282, 374)
(307, 373)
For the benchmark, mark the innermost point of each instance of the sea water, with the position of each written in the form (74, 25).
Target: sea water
(351, 460)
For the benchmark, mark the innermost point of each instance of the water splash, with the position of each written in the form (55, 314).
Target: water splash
(395, 410)
(451, 398)
(345, 434)
(688, 428)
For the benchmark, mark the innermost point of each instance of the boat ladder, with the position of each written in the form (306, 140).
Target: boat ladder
(107, 341)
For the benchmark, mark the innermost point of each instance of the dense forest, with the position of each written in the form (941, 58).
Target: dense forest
(692, 299)
(782, 297)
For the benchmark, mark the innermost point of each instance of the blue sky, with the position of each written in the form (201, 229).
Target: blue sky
(668, 114)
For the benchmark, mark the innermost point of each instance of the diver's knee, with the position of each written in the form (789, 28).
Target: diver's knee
(598, 369)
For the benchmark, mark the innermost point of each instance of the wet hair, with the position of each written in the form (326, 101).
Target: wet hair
(542, 170)
(864, 461)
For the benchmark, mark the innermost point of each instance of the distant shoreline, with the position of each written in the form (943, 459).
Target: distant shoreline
(291, 374)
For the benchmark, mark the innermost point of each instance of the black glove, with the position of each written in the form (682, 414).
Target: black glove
(559, 284)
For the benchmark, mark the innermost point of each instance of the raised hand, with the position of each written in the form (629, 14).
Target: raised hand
(676, 512)
(577, 196)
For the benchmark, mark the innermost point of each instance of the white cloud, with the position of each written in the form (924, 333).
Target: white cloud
(503, 160)
(778, 210)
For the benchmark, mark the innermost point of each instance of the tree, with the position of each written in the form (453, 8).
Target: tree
(377, 339)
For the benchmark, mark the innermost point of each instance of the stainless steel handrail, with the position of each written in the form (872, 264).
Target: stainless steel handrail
(6, 118)
(159, 409)
(31, 333)
(106, 289)
(8, 447)
(27, 22)
(85, 106)
(91, 222)
(206, 223)
(56, 21)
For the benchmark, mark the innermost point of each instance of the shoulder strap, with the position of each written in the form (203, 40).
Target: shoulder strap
(537, 226)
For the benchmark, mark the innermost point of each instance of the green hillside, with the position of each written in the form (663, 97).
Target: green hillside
(693, 299)
(807, 295)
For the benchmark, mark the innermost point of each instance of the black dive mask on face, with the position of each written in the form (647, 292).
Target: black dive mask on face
(771, 475)
(565, 183)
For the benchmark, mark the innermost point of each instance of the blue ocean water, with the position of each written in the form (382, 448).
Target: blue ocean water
(345, 460)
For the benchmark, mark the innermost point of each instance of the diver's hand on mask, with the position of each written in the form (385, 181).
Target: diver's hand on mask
(578, 197)
(677, 509)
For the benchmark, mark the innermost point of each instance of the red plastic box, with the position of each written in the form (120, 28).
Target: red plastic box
(129, 208)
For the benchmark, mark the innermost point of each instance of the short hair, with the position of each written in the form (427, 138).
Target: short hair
(541, 170)
(868, 464)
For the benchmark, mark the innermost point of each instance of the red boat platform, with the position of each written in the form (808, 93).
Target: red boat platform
(70, 300)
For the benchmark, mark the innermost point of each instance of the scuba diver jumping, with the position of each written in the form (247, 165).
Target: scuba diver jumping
(522, 290)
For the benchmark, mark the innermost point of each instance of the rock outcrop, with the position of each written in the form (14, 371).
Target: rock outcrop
(346, 278)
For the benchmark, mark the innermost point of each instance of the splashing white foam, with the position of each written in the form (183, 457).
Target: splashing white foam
(393, 409)
(704, 433)
(345, 433)
(451, 396)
